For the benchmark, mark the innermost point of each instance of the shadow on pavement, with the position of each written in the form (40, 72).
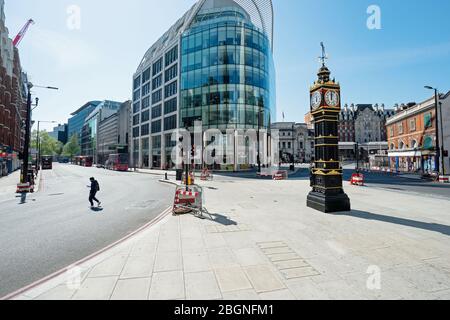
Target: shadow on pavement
(97, 209)
(444, 229)
(220, 219)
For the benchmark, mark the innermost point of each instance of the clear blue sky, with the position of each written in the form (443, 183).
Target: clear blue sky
(97, 62)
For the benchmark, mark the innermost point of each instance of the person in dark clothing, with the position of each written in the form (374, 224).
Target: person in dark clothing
(95, 187)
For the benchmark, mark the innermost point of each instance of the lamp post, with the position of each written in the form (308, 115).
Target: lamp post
(26, 151)
(38, 142)
(439, 147)
(293, 147)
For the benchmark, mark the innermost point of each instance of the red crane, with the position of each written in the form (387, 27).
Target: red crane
(22, 32)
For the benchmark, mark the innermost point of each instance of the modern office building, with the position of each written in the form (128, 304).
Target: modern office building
(13, 96)
(214, 64)
(113, 133)
(89, 132)
(60, 133)
(76, 122)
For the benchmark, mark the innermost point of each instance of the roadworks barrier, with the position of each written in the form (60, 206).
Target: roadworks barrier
(357, 179)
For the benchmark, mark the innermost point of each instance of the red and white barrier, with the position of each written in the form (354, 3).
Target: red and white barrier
(280, 175)
(357, 179)
(24, 188)
(444, 179)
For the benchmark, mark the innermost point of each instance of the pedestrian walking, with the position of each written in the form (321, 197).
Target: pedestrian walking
(95, 187)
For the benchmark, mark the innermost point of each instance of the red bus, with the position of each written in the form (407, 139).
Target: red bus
(84, 161)
(117, 162)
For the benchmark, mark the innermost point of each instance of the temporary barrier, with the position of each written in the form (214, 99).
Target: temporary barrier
(25, 188)
(280, 175)
(357, 179)
(443, 179)
(206, 175)
(189, 201)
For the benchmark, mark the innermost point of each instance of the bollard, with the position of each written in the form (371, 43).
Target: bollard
(166, 177)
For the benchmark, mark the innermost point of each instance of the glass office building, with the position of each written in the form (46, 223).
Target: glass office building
(214, 65)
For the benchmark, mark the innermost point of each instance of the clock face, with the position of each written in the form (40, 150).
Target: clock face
(316, 99)
(332, 98)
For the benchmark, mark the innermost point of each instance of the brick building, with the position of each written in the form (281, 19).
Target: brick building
(12, 99)
(412, 137)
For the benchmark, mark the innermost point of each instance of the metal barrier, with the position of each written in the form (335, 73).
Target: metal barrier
(280, 175)
(206, 175)
(357, 179)
(189, 201)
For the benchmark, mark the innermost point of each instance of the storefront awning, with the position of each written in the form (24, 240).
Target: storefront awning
(405, 154)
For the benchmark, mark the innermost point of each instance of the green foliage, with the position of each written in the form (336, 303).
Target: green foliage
(72, 148)
(49, 146)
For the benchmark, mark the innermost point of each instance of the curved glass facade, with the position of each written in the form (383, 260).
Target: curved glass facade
(227, 74)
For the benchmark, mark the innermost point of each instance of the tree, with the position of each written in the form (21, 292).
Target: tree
(72, 148)
(49, 145)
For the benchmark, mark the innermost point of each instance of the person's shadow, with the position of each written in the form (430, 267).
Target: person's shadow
(97, 209)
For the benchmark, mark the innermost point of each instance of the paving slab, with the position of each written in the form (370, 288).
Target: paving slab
(232, 279)
(167, 286)
(132, 289)
(202, 286)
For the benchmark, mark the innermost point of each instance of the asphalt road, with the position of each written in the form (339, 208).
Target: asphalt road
(56, 227)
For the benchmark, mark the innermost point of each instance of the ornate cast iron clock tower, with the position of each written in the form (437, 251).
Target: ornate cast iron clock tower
(326, 177)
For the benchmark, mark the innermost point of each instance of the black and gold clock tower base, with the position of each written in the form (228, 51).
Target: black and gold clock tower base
(326, 175)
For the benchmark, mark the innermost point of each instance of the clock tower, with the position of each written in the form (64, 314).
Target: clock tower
(326, 175)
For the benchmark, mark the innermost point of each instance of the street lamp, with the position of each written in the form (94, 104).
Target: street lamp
(439, 146)
(38, 141)
(26, 151)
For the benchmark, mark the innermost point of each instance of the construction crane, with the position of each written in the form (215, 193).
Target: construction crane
(22, 32)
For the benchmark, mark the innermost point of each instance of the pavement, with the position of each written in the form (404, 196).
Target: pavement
(262, 242)
(55, 227)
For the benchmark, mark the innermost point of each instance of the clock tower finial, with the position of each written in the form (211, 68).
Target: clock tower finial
(324, 72)
(324, 55)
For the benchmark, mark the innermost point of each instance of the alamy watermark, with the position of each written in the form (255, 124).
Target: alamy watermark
(232, 147)
(374, 280)
(73, 21)
(374, 19)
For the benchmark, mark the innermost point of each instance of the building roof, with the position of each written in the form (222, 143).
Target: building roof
(88, 104)
(260, 12)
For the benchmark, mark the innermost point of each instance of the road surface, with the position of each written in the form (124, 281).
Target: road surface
(56, 227)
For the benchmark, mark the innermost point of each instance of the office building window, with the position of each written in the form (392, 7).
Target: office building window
(157, 67)
(146, 76)
(156, 142)
(146, 89)
(135, 120)
(170, 106)
(137, 82)
(156, 112)
(156, 96)
(145, 130)
(156, 126)
(170, 123)
(136, 107)
(137, 95)
(169, 142)
(135, 132)
(172, 56)
(145, 116)
(171, 73)
(145, 103)
(400, 128)
(157, 82)
(170, 89)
